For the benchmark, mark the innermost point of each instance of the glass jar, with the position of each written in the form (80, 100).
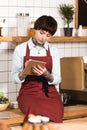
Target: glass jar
(23, 24)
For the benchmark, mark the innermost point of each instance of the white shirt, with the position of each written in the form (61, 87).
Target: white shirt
(85, 59)
(20, 52)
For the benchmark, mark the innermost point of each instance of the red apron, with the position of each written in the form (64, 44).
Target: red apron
(32, 98)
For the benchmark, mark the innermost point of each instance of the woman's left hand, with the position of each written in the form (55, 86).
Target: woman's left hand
(38, 70)
(42, 71)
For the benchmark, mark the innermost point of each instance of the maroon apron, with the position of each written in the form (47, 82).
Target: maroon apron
(32, 98)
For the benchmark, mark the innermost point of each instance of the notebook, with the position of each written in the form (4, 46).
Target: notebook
(31, 63)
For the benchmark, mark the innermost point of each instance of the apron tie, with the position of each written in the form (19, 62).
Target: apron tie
(39, 79)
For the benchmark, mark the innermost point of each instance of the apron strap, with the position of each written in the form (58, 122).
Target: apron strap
(48, 52)
(28, 51)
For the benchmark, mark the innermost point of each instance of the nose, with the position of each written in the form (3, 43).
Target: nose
(44, 37)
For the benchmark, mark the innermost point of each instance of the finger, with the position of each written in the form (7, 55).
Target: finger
(37, 71)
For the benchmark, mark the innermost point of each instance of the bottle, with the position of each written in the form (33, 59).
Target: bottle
(31, 30)
(80, 30)
(23, 24)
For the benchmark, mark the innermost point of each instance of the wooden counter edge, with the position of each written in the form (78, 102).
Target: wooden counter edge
(17, 117)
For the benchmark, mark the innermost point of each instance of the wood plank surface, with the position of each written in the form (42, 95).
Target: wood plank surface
(17, 117)
(82, 120)
(58, 39)
(54, 39)
(75, 111)
(17, 39)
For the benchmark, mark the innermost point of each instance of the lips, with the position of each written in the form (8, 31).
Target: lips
(41, 42)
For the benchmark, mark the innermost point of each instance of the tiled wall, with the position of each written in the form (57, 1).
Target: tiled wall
(35, 8)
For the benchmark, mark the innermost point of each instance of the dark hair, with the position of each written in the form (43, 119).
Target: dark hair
(47, 23)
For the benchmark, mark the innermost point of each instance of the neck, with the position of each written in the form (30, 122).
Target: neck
(36, 43)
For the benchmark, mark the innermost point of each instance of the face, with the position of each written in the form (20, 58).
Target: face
(42, 36)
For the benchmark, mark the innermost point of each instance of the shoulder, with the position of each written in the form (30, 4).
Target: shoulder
(20, 49)
(53, 49)
(22, 45)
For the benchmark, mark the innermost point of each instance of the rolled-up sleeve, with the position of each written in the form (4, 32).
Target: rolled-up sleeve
(55, 67)
(17, 64)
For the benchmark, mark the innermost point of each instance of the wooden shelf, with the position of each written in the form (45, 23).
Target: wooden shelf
(17, 39)
(54, 39)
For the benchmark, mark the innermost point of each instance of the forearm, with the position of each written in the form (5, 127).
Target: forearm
(48, 76)
(21, 76)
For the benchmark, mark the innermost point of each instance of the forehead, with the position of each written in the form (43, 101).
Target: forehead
(42, 31)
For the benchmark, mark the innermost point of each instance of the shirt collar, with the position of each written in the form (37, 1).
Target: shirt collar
(31, 45)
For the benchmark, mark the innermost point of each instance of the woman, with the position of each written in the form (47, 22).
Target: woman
(38, 94)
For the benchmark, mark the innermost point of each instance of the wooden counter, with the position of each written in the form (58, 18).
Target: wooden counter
(16, 117)
(70, 112)
(75, 111)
